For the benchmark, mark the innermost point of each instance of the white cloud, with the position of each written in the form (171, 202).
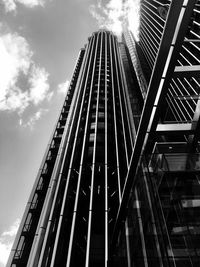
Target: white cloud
(6, 241)
(31, 3)
(63, 87)
(15, 57)
(108, 16)
(11, 5)
(33, 119)
(117, 14)
(16, 62)
(132, 15)
(38, 80)
(15, 100)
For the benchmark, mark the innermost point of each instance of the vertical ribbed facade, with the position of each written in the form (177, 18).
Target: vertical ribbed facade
(41, 196)
(71, 212)
(130, 42)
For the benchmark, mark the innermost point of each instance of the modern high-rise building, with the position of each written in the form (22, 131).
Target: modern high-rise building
(120, 181)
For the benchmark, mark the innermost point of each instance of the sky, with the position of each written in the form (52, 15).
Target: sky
(39, 45)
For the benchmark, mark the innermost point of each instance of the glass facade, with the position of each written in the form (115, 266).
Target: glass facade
(164, 208)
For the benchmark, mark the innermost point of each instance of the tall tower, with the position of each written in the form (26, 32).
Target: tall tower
(72, 209)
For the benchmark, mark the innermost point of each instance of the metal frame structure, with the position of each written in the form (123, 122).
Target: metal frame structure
(165, 42)
(172, 38)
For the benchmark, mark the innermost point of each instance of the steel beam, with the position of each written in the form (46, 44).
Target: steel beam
(174, 128)
(186, 71)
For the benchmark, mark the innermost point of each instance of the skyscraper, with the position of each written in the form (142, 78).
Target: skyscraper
(72, 209)
(120, 182)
